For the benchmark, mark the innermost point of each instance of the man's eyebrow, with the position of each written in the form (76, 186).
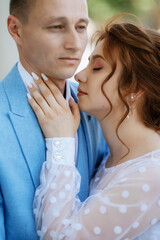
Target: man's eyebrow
(86, 20)
(53, 19)
(95, 57)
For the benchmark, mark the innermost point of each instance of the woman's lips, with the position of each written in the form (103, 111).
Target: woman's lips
(80, 93)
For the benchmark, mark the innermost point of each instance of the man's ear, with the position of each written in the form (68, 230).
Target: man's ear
(14, 28)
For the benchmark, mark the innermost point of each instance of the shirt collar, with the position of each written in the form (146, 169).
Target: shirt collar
(27, 78)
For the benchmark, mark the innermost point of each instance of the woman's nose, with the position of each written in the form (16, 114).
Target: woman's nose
(81, 76)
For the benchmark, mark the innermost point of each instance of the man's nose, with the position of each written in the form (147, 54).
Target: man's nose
(73, 40)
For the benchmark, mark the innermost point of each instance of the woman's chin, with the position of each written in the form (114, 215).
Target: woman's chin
(84, 108)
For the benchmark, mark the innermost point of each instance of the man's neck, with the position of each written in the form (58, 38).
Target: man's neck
(60, 83)
(27, 78)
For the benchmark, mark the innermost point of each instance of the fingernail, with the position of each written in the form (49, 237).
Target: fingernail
(35, 76)
(29, 96)
(45, 78)
(29, 84)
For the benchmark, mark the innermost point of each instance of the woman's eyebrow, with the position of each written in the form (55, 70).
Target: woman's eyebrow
(93, 57)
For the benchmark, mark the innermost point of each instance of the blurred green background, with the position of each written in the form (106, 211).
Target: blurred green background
(99, 10)
(147, 10)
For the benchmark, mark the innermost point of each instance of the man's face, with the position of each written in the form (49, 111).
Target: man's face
(54, 37)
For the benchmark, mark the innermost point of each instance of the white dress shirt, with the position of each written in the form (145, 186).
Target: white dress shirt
(27, 79)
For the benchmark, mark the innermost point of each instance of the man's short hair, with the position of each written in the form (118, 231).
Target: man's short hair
(21, 8)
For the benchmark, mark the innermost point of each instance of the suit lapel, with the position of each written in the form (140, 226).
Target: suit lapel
(25, 124)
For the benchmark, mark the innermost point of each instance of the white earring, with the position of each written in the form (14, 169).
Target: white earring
(129, 107)
(132, 97)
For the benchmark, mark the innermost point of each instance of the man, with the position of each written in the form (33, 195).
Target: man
(51, 36)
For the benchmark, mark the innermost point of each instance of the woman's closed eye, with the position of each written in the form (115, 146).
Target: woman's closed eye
(98, 65)
(97, 68)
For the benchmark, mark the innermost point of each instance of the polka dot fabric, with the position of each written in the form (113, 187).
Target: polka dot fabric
(124, 201)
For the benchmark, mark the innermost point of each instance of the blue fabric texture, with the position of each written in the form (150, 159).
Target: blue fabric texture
(22, 152)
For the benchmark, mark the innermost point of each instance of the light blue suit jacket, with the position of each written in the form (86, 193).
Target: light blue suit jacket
(22, 152)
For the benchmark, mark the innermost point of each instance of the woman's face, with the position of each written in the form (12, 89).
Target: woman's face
(91, 97)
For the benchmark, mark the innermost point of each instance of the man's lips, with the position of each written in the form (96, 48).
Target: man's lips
(69, 60)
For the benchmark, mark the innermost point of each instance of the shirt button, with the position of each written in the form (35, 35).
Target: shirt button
(57, 156)
(58, 144)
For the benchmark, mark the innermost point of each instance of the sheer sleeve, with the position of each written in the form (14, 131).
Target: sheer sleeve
(122, 204)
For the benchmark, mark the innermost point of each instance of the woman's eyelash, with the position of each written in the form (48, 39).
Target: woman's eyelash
(96, 69)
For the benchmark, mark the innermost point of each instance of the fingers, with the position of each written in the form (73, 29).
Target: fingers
(56, 92)
(75, 110)
(50, 91)
(52, 109)
(60, 120)
(36, 108)
(37, 102)
(45, 91)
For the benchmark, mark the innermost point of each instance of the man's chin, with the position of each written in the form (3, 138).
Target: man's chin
(65, 75)
(61, 78)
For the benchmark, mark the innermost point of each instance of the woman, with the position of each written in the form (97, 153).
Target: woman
(121, 88)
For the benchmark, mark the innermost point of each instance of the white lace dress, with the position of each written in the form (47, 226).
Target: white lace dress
(124, 201)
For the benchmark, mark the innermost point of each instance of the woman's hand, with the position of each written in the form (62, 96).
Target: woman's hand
(55, 117)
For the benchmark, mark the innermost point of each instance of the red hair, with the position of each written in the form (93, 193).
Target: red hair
(139, 53)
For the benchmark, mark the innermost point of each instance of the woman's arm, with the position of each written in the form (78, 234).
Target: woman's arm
(122, 209)
(119, 209)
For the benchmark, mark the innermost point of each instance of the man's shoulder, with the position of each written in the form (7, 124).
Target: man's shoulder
(13, 70)
(5, 84)
(3, 97)
(11, 75)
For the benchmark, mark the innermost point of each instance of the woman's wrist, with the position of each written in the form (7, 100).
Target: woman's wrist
(60, 151)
